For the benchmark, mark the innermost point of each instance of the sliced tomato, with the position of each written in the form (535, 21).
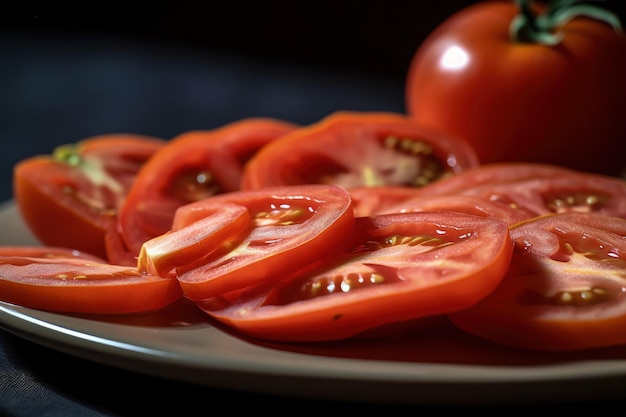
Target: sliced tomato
(290, 228)
(191, 167)
(564, 290)
(372, 200)
(61, 280)
(48, 252)
(71, 197)
(355, 149)
(538, 189)
(219, 225)
(461, 204)
(398, 267)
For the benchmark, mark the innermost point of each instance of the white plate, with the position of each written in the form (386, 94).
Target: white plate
(437, 366)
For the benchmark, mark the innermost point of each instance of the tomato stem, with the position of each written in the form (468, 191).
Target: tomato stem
(533, 26)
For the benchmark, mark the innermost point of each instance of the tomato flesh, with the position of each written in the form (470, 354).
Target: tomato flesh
(71, 198)
(537, 189)
(398, 267)
(565, 288)
(63, 280)
(193, 166)
(289, 228)
(352, 149)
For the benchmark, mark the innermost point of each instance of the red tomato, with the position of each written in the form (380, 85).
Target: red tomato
(399, 267)
(71, 198)
(290, 228)
(355, 149)
(518, 100)
(538, 189)
(192, 166)
(564, 289)
(66, 281)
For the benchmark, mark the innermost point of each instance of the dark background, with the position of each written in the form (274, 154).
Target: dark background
(373, 37)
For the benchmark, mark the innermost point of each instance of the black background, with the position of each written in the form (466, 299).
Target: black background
(372, 37)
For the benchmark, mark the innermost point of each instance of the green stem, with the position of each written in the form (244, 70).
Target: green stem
(543, 28)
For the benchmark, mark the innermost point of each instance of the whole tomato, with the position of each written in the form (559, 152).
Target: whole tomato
(524, 81)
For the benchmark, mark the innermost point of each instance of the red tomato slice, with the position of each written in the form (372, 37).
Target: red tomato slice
(49, 279)
(192, 166)
(48, 252)
(461, 204)
(71, 198)
(353, 149)
(368, 201)
(538, 189)
(220, 225)
(291, 227)
(399, 267)
(564, 289)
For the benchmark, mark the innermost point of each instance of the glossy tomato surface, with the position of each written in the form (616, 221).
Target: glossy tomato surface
(192, 166)
(288, 229)
(356, 149)
(564, 289)
(524, 101)
(537, 189)
(398, 267)
(64, 280)
(71, 198)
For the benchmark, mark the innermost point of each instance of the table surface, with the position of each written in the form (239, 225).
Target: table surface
(60, 90)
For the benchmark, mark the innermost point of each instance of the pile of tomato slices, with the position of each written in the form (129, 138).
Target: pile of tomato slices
(359, 222)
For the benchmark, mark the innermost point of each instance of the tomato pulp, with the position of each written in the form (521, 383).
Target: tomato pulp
(71, 198)
(398, 267)
(192, 166)
(357, 149)
(564, 289)
(287, 229)
(65, 280)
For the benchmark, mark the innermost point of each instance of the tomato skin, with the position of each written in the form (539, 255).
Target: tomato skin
(452, 261)
(356, 149)
(70, 204)
(291, 228)
(564, 289)
(64, 280)
(168, 180)
(523, 101)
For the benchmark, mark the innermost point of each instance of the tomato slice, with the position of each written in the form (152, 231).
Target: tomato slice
(538, 189)
(399, 267)
(71, 197)
(291, 227)
(220, 225)
(368, 201)
(192, 166)
(461, 204)
(61, 280)
(354, 149)
(564, 290)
